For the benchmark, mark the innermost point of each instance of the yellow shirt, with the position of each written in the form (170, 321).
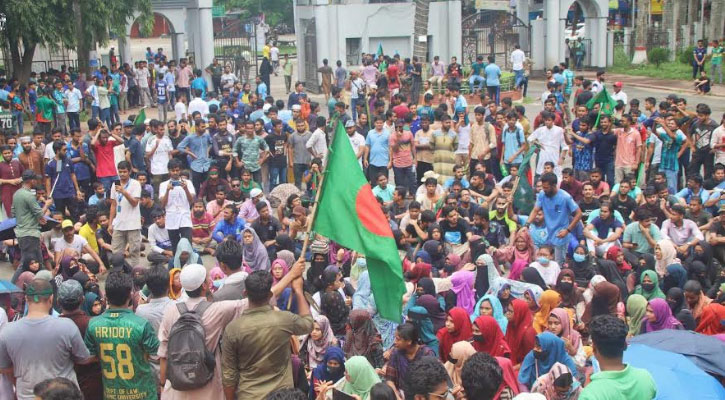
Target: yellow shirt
(89, 234)
(265, 51)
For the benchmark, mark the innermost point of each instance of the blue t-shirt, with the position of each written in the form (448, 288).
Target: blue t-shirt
(512, 141)
(604, 226)
(699, 54)
(557, 213)
(583, 153)
(199, 84)
(493, 72)
(161, 92)
(378, 145)
(478, 68)
(64, 189)
(604, 146)
(80, 168)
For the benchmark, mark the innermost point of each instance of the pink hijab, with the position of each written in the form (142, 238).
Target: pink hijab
(462, 282)
(285, 269)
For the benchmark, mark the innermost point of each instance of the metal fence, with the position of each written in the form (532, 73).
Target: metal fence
(235, 45)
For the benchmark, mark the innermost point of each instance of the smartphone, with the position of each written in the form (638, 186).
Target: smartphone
(117, 182)
(175, 183)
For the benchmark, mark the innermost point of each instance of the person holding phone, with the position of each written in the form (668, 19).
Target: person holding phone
(177, 196)
(125, 214)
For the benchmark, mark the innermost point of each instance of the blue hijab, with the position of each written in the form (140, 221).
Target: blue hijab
(676, 276)
(363, 299)
(498, 314)
(418, 315)
(320, 372)
(532, 368)
(425, 256)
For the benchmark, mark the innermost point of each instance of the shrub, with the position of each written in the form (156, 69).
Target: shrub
(658, 55)
(686, 56)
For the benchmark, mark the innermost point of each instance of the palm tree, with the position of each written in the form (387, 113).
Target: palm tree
(640, 33)
(420, 28)
(716, 21)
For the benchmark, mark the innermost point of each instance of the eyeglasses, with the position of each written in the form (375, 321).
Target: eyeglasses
(237, 185)
(445, 395)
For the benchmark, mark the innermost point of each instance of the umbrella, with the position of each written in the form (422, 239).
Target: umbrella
(675, 376)
(8, 287)
(707, 352)
(281, 192)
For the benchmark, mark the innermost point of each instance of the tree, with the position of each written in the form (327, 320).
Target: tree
(420, 28)
(64, 23)
(640, 33)
(275, 11)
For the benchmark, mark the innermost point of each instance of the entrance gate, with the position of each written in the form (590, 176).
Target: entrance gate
(235, 45)
(491, 32)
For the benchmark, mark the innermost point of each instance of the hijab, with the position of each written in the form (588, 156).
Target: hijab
(361, 335)
(526, 255)
(531, 275)
(570, 296)
(498, 313)
(317, 349)
(553, 348)
(285, 255)
(545, 384)
(321, 373)
(676, 301)
(549, 301)
(66, 270)
(334, 308)
(174, 295)
(605, 298)
(504, 302)
(663, 317)
(454, 261)
(582, 270)
(420, 318)
(428, 286)
(636, 308)
(676, 277)
(363, 298)
(567, 331)
(435, 311)
(460, 352)
(589, 292)
(483, 283)
(509, 377)
(285, 269)
(462, 331)
(424, 256)
(669, 256)
(493, 340)
(517, 267)
(184, 246)
(612, 253)
(463, 288)
(656, 292)
(88, 301)
(362, 377)
(517, 329)
(255, 254)
(711, 320)
(420, 270)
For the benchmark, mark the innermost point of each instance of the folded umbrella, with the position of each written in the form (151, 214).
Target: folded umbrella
(676, 376)
(707, 352)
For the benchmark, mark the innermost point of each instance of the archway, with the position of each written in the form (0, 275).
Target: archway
(160, 37)
(593, 30)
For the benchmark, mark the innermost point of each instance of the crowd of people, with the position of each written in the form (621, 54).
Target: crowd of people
(114, 222)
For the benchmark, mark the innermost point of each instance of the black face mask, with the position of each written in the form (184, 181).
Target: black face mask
(452, 360)
(672, 304)
(479, 338)
(566, 287)
(333, 371)
(648, 287)
(541, 355)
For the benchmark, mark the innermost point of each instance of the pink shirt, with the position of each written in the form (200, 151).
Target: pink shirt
(628, 144)
(212, 208)
(215, 319)
(368, 74)
(438, 69)
(184, 75)
(401, 145)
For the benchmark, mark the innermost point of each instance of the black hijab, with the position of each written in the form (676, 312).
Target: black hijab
(676, 301)
(428, 286)
(531, 275)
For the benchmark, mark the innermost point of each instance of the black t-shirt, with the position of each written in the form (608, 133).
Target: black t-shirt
(584, 97)
(624, 207)
(225, 143)
(587, 208)
(277, 146)
(454, 234)
(181, 156)
(605, 145)
(267, 231)
(710, 183)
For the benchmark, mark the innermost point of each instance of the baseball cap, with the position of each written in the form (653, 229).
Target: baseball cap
(192, 277)
(349, 124)
(127, 123)
(28, 174)
(618, 84)
(69, 290)
(66, 224)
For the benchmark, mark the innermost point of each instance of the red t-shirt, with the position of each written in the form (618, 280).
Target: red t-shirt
(401, 110)
(104, 156)
(393, 79)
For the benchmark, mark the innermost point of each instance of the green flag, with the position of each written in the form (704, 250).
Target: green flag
(605, 101)
(348, 213)
(380, 50)
(140, 118)
(524, 195)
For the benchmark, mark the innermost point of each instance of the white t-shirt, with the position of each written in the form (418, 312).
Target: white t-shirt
(74, 100)
(78, 243)
(49, 153)
(142, 78)
(128, 218)
(553, 143)
(160, 158)
(198, 105)
(718, 137)
(517, 59)
(620, 96)
(274, 53)
(657, 152)
(357, 141)
(464, 139)
(180, 111)
(317, 143)
(178, 208)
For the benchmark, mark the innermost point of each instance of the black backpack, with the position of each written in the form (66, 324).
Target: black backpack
(190, 364)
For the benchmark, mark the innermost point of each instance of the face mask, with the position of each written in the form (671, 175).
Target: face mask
(478, 338)
(579, 257)
(540, 355)
(543, 260)
(672, 304)
(452, 360)
(333, 370)
(566, 286)
(648, 287)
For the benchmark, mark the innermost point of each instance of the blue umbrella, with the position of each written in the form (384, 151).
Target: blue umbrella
(8, 287)
(676, 376)
(707, 352)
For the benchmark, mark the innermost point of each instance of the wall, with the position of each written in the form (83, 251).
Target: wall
(390, 23)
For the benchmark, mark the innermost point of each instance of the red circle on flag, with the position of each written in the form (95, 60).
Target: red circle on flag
(369, 212)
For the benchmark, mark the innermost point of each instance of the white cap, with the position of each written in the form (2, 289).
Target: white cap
(296, 107)
(255, 192)
(266, 107)
(192, 277)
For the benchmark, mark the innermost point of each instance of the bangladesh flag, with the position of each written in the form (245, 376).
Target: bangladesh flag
(140, 118)
(606, 104)
(348, 213)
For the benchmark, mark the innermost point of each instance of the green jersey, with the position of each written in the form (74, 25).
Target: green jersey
(45, 108)
(122, 341)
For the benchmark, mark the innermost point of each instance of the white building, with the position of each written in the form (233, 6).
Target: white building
(342, 29)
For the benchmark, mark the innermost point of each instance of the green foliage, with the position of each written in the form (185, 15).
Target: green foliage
(667, 70)
(621, 58)
(275, 11)
(658, 55)
(686, 56)
(31, 23)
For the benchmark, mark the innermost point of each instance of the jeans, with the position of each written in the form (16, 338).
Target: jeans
(560, 253)
(298, 170)
(146, 99)
(421, 167)
(162, 112)
(579, 59)
(61, 205)
(106, 116)
(607, 171)
(115, 116)
(415, 90)
(353, 105)
(74, 120)
(257, 176)
(18, 117)
(696, 69)
(95, 112)
(60, 122)
(701, 157)
(671, 180)
(374, 171)
(277, 175)
(524, 85)
(518, 77)
(288, 83)
(107, 181)
(405, 177)
(494, 92)
(718, 68)
(476, 79)
(123, 101)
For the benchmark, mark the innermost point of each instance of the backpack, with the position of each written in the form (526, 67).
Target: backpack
(190, 364)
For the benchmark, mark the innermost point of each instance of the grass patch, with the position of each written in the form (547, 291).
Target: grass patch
(667, 70)
(220, 51)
